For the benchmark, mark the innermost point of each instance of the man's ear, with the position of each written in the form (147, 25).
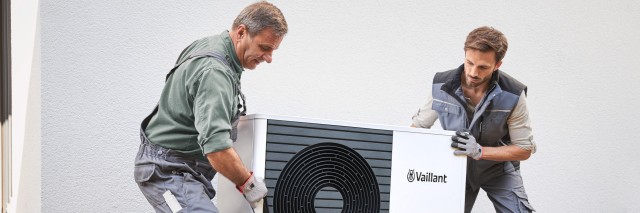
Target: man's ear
(498, 65)
(241, 31)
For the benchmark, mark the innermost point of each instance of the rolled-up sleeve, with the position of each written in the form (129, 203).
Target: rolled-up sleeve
(520, 126)
(425, 116)
(213, 107)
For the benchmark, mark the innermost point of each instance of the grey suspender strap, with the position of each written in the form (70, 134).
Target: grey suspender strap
(241, 102)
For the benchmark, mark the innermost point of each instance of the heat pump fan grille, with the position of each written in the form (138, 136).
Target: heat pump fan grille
(327, 165)
(327, 168)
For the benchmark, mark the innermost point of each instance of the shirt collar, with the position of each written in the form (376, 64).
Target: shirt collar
(231, 52)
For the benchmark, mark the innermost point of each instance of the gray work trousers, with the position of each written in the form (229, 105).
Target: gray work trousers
(505, 190)
(158, 170)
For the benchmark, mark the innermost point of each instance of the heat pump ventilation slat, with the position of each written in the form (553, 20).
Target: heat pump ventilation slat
(348, 168)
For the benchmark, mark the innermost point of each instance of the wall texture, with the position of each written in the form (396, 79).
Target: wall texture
(103, 67)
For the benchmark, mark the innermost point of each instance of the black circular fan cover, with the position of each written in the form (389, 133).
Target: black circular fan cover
(326, 165)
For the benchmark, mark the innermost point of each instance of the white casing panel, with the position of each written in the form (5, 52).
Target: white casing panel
(426, 153)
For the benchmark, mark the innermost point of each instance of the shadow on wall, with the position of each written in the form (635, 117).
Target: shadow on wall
(28, 197)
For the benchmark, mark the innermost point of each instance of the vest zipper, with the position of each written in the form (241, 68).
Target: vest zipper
(484, 99)
(480, 133)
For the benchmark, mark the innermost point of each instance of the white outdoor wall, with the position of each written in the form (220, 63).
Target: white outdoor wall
(25, 126)
(104, 62)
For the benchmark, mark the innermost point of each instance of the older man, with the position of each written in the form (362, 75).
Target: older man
(189, 136)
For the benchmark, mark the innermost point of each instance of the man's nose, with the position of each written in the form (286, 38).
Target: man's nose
(473, 72)
(267, 57)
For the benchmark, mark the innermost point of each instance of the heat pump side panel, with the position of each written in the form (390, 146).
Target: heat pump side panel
(250, 147)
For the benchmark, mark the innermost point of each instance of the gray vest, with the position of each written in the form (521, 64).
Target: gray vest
(489, 122)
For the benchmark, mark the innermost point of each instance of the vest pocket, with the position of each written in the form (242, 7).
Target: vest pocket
(443, 107)
(496, 117)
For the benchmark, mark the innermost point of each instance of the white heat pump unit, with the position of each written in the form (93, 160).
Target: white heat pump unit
(323, 166)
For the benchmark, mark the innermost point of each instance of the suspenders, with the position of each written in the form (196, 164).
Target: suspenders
(241, 102)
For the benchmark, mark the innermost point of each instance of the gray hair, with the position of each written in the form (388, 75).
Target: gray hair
(260, 15)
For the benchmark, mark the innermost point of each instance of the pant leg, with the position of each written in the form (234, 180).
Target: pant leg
(507, 193)
(158, 170)
(470, 196)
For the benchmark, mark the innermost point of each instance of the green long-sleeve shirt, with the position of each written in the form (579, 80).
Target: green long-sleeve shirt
(198, 100)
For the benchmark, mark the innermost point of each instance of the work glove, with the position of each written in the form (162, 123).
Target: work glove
(466, 144)
(253, 190)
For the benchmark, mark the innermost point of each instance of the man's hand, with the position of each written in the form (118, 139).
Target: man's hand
(253, 190)
(466, 144)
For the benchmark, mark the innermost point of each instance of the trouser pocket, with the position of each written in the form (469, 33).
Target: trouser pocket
(144, 175)
(508, 167)
(523, 201)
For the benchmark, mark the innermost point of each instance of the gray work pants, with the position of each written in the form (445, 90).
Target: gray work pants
(505, 190)
(158, 170)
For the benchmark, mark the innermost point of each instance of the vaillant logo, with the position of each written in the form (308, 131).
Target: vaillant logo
(425, 177)
(410, 176)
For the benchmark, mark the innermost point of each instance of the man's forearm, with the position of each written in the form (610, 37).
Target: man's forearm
(228, 163)
(505, 153)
